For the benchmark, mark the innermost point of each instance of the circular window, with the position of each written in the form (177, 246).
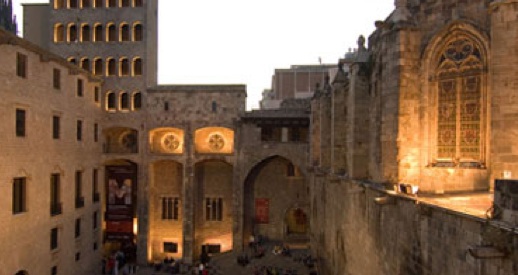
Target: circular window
(170, 142)
(216, 142)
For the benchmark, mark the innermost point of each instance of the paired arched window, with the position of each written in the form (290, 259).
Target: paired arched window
(98, 32)
(59, 4)
(124, 68)
(85, 4)
(72, 32)
(110, 101)
(111, 32)
(73, 4)
(110, 67)
(137, 101)
(111, 3)
(98, 66)
(85, 64)
(124, 32)
(137, 32)
(124, 101)
(137, 66)
(59, 33)
(85, 33)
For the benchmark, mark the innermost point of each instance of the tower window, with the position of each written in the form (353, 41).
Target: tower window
(124, 67)
(111, 67)
(19, 195)
(98, 33)
(21, 65)
(124, 101)
(137, 66)
(111, 34)
(98, 66)
(137, 32)
(137, 101)
(110, 101)
(72, 33)
(85, 33)
(59, 33)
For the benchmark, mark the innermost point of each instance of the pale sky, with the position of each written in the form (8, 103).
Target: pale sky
(244, 41)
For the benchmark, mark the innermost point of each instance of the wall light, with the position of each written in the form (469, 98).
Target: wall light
(384, 200)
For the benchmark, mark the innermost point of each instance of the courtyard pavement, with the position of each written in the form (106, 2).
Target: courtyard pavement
(226, 264)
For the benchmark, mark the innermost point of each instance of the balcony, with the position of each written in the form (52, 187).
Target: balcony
(96, 197)
(80, 202)
(56, 208)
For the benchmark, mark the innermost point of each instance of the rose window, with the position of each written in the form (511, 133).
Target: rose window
(170, 142)
(216, 142)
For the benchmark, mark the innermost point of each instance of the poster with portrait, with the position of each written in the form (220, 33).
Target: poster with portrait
(262, 210)
(120, 201)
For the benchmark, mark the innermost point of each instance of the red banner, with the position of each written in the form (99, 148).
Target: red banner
(262, 210)
(120, 201)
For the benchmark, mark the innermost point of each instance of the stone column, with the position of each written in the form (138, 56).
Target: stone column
(238, 210)
(188, 198)
(142, 212)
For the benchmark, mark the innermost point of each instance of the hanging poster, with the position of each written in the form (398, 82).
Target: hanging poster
(262, 210)
(120, 201)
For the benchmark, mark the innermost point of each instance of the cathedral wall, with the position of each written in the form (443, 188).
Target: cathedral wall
(504, 81)
(352, 234)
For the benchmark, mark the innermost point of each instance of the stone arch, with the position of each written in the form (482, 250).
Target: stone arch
(120, 140)
(71, 32)
(271, 187)
(124, 101)
(456, 62)
(85, 64)
(166, 140)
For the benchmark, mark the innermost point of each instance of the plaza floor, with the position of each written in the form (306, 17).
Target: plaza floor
(226, 264)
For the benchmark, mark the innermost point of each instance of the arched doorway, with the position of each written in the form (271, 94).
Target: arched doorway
(272, 186)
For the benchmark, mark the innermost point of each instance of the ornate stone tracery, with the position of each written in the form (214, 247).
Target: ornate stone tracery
(460, 102)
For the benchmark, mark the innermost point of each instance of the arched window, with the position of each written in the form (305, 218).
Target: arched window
(98, 66)
(72, 4)
(124, 67)
(85, 63)
(460, 102)
(125, 3)
(85, 33)
(124, 32)
(137, 32)
(59, 4)
(72, 32)
(110, 101)
(98, 3)
(72, 60)
(110, 67)
(137, 3)
(98, 32)
(124, 101)
(85, 4)
(111, 3)
(111, 32)
(137, 101)
(59, 33)
(137, 66)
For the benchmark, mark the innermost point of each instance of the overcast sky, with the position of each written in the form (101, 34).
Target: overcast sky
(244, 41)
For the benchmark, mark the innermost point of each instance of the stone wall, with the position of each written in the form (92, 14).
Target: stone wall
(355, 235)
(25, 236)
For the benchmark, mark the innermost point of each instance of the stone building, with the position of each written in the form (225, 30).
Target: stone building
(181, 166)
(51, 172)
(428, 108)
